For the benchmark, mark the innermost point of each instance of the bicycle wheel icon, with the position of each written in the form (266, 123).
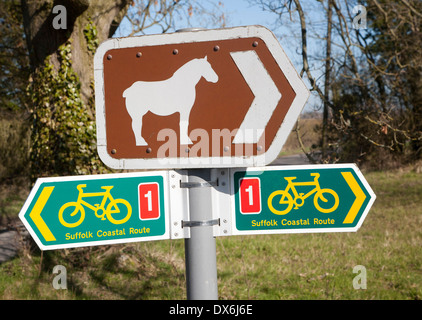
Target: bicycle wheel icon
(118, 211)
(326, 196)
(280, 202)
(69, 210)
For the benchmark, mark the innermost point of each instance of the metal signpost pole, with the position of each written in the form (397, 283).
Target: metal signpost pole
(200, 249)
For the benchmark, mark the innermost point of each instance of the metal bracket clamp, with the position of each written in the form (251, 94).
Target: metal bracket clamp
(198, 184)
(203, 223)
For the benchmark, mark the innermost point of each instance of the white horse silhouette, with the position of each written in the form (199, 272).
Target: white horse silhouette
(176, 94)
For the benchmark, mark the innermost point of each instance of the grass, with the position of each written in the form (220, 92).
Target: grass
(308, 134)
(320, 266)
(300, 266)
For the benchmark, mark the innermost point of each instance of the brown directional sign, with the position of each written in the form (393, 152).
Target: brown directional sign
(213, 98)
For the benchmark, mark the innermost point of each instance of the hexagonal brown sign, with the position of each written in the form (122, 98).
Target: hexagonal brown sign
(208, 98)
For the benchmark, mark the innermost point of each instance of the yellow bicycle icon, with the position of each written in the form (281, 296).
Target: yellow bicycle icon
(286, 202)
(76, 208)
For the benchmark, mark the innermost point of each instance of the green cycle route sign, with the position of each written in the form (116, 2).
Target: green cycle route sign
(64, 212)
(299, 199)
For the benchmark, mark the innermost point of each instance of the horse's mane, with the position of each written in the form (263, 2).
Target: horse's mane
(189, 64)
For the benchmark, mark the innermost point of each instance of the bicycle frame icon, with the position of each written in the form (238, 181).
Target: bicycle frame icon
(101, 211)
(286, 202)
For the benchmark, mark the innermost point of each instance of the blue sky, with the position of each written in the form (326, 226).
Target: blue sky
(241, 12)
(238, 13)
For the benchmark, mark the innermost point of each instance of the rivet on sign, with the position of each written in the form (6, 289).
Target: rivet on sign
(139, 54)
(255, 44)
(113, 151)
(259, 148)
(148, 150)
(187, 150)
(216, 48)
(226, 148)
(175, 51)
(109, 56)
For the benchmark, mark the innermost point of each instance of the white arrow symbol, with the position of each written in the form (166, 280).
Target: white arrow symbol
(266, 95)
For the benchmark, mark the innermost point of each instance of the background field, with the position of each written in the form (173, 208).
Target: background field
(301, 266)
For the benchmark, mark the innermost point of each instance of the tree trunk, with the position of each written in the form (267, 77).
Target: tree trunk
(62, 36)
(43, 39)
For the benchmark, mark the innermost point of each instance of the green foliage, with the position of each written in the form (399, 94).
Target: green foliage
(14, 62)
(377, 114)
(91, 36)
(14, 140)
(63, 132)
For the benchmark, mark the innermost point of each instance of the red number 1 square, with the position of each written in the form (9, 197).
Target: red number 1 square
(250, 195)
(149, 201)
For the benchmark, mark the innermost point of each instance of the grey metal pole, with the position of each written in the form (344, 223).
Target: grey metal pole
(200, 249)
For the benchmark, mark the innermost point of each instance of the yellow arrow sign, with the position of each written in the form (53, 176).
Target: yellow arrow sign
(360, 197)
(36, 214)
